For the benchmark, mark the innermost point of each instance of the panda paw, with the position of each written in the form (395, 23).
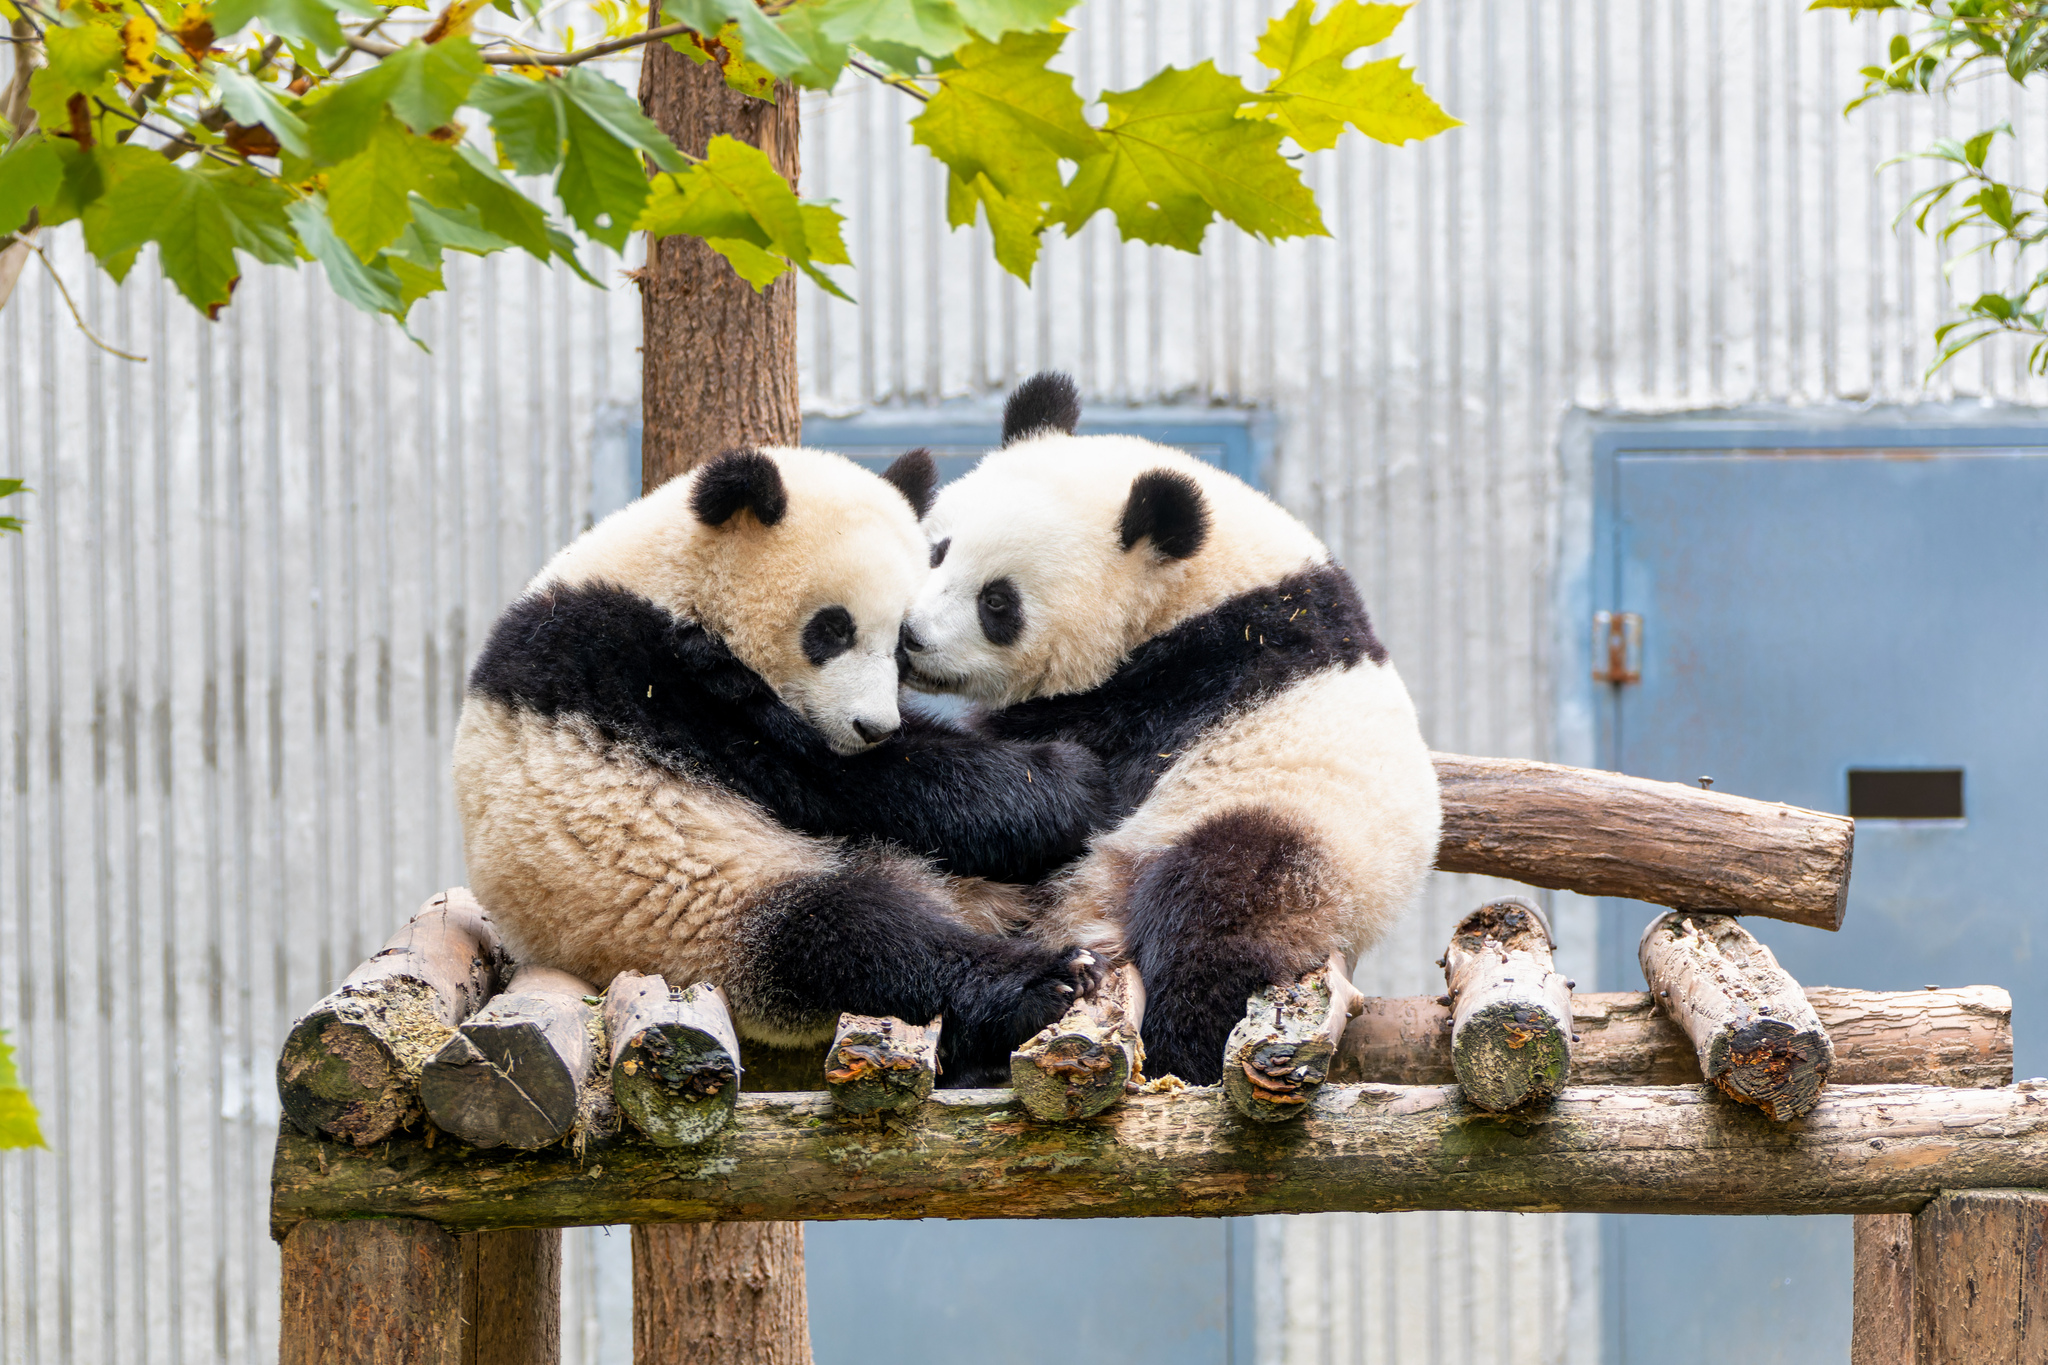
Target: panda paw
(1072, 974)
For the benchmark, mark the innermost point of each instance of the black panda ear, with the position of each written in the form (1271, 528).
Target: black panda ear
(739, 479)
(915, 477)
(1169, 507)
(1047, 401)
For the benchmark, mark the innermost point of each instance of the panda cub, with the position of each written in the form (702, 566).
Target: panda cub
(681, 752)
(1274, 803)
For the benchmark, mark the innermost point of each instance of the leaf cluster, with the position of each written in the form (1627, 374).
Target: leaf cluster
(18, 1127)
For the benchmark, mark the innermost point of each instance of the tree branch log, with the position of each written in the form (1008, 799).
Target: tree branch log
(1960, 1037)
(1278, 1056)
(1607, 834)
(1511, 1012)
(877, 1063)
(515, 1073)
(675, 1057)
(1078, 1067)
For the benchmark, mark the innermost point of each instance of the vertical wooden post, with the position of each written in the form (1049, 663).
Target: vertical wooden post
(403, 1291)
(1882, 1333)
(1980, 1278)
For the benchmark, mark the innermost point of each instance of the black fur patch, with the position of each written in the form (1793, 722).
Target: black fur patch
(1169, 507)
(1047, 401)
(1001, 611)
(939, 551)
(827, 635)
(979, 807)
(867, 940)
(1176, 685)
(1232, 906)
(915, 477)
(736, 480)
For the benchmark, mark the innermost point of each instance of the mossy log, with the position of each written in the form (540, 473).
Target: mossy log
(1607, 834)
(1279, 1054)
(1511, 1011)
(350, 1066)
(977, 1154)
(1079, 1066)
(1756, 1036)
(675, 1057)
(1960, 1036)
(516, 1073)
(877, 1063)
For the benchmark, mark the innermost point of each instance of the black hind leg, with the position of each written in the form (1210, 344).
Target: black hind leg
(870, 939)
(1234, 905)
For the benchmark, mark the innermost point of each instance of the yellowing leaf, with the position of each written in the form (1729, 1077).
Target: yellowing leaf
(1002, 114)
(1014, 224)
(993, 18)
(83, 64)
(742, 207)
(1318, 94)
(1177, 155)
(932, 27)
(729, 50)
(17, 1116)
(138, 49)
(369, 196)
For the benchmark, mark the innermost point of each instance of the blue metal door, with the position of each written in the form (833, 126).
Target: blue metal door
(1856, 630)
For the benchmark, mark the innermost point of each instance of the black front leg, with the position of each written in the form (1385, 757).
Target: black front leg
(870, 939)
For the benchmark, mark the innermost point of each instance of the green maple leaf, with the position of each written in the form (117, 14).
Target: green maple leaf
(931, 27)
(527, 119)
(84, 60)
(603, 184)
(1003, 115)
(30, 173)
(198, 219)
(250, 101)
(423, 83)
(310, 20)
(374, 288)
(993, 18)
(135, 185)
(369, 196)
(1318, 94)
(822, 59)
(742, 207)
(8, 488)
(501, 209)
(611, 107)
(766, 42)
(1015, 224)
(1177, 154)
(17, 1116)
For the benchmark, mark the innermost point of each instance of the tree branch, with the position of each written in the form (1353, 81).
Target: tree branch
(583, 54)
(76, 316)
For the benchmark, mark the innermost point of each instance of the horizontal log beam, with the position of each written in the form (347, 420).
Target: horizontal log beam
(975, 1154)
(1608, 834)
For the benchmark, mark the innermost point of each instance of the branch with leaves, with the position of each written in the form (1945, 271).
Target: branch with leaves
(283, 131)
(1981, 213)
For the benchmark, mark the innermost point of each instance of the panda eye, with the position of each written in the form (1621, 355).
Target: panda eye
(998, 597)
(1001, 611)
(939, 551)
(828, 634)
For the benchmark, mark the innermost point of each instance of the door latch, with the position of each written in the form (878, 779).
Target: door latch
(1617, 647)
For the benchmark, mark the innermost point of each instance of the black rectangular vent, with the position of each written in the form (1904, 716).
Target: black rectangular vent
(1906, 793)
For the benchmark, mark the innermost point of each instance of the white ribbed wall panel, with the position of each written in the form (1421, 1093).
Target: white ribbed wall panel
(231, 643)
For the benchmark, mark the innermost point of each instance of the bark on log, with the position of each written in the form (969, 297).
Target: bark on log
(515, 1074)
(877, 1063)
(977, 1154)
(351, 1065)
(1881, 1329)
(1980, 1278)
(512, 1297)
(719, 1294)
(1079, 1066)
(675, 1057)
(1756, 1036)
(1511, 1012)
(1279, 1055)
(1606, 834)
(1959, 1037)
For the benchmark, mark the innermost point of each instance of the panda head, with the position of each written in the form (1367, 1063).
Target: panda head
(801, 562)
(1060, 554)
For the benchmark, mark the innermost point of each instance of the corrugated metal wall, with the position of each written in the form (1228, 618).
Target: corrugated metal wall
(234, 635)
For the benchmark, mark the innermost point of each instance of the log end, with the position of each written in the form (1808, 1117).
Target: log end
(351, 1066)
(1078, 1067)
(878, 1065)
(1280, 1053)
(500, 1085)
(1510, 1053)
(1777, 1066)
(677, 1084)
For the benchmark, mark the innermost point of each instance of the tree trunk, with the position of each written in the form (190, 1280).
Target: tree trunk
(1881, 1331)
(718, 370)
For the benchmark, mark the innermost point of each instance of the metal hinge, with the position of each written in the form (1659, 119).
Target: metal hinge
(1617, 647)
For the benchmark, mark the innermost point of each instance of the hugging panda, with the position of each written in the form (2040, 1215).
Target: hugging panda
(681, 752)
(1274, 805)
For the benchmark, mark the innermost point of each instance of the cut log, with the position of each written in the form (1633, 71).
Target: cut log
(1756, 1036)
(515, 1074)
(1606, 834)
(1511, 1013)
(1279, 1054)
(1957, 1037)
(675, 1057)
(1366, 1149)
(1079, 1066)
(1980, 1276)
(351, 1065)
(877, 1063)
(1881, 1328)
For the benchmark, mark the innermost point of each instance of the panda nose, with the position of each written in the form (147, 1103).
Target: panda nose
(873, 734)
(908, 638)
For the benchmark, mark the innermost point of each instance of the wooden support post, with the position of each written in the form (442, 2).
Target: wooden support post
(1079, 1066)
(1756, 1036)
(1961, 1282)
(514, 1075)
(401, 1291)
(1959, 1036)
(877, 1063)
(1606, 834)
(1279, 1055)
(1881, 1332)
(1511, 1030)
(351, 1065)
(675, 1057)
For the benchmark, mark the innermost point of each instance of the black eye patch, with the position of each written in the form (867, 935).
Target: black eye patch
(827, 635)
(1001, 611)
(939, 551)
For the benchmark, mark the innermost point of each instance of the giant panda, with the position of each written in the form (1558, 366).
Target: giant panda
(681, 751)
(1275, 804)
